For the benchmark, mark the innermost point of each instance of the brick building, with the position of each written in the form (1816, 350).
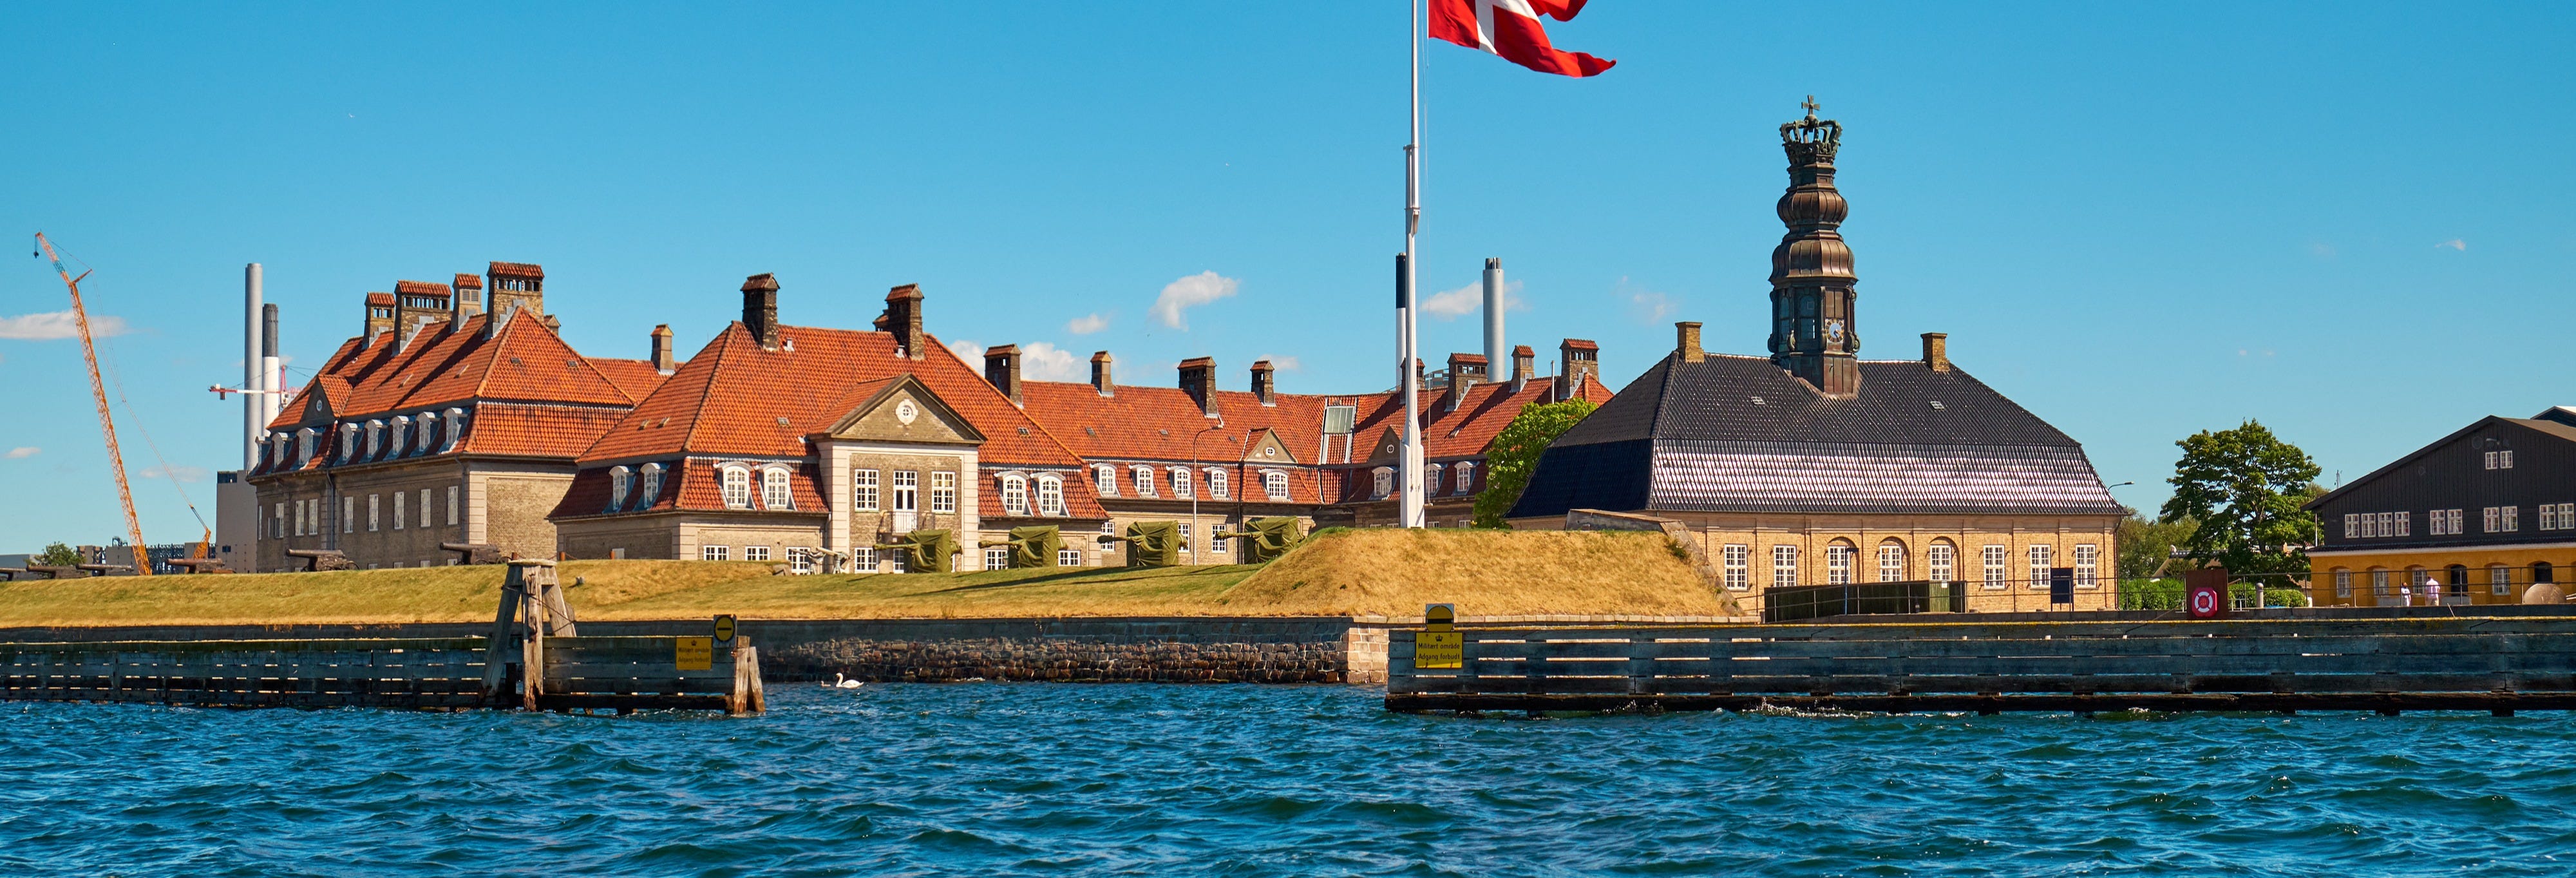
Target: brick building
(2484, 514)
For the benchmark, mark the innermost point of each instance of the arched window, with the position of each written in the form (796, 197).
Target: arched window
(2343, 583)
(1275, 484)
(1015, 495)
(1784, 566)
(2458, 574)
(2499, 580)
(1181, 481)
(1943, 561)
(651, 492)
(1431, 480)
(1144, 480)
(2379, 587)
(1891, 560)
(396, 434)
(1385, 483)
(1050, 495)
(1216, 483)
(619, 480)
(308, 442)
(1104, 479)
(455, 424)
(737, 487)
(1838, 562)
(375, 439)
(2542, 572)
(1466, 477)
(773, 489)
(348, 443)
(426, 442)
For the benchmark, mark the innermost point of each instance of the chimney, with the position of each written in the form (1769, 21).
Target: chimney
(1100, 374)
(663, 362)
(1524, 366)
(1578, 359)
(903, 318)
(515, 287)
(1465, 372)
(1494, 309)
(272, 372)
(252, 376)
(1686, 342)
(380, 317)
(1198, 379)
(760, 309)
(1264, 382)
(468, 301)
(1936, 351)
(416, 305)
(1002, 367)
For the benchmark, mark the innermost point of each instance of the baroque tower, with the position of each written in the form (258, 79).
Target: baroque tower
(1813, 333)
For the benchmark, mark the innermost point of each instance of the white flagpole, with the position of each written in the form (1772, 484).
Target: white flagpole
(1411, 504)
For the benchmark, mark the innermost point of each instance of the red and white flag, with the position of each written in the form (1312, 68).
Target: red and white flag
(1510, 28)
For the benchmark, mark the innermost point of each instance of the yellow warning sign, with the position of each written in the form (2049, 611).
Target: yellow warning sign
(1438, 649)
(694, 653)
(724, 628)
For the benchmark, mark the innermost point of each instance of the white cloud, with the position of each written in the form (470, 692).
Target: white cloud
(58, 324)
(178, 473)
(24, 451)
(1190, 292)
(2454, 243)
(1284, 364)
(1460, 302)
(969, 351)
(1087, 324)
(1041, 361)
(1652, 307)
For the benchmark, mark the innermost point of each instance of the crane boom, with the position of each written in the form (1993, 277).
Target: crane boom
(106, 422)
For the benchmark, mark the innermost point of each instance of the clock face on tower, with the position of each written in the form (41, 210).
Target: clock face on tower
(1834, 331)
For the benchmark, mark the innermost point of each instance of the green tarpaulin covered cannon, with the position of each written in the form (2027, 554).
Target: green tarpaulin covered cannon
(1151, 543)
(1265, 539)
(1031, 546)
(926, 551)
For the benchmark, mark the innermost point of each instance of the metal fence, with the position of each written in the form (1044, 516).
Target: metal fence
(2453, 586)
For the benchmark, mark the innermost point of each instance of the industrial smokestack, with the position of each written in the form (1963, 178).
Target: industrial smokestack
(1493, 310)
(273, 375)
(252, 374)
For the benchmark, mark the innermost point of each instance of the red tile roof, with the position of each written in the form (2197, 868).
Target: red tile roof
(468, 281)
(517, 269)
(504, 428)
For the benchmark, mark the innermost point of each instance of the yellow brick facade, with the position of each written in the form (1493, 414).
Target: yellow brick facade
(2396, 577)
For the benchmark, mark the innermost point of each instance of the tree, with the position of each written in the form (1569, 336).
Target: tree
(2146, 544)
(2245, 487)
(58, 555)
(1513, 454)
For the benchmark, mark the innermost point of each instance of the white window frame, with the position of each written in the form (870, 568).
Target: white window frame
(1382, 483)
(997, 558)
(1784, 566)
(1050, 495)
(1274, 484)
(349, 515)
(2405, 523)
(1941, 563)
(2088, 565)
(905, 495)
(863, 490)
(2351, 526)
(1992, 558)
(1216, 484)
(375, 513)
(1015, 495)
(2042, 557)
(714, 553)
(424, 507)
(647, 492)
(1188, 542)
(1181, 483)
(1466, 478)
(1144, 476)
(277, 523)
(398, 509)
(1431, 480)
(736, 480)
(2491, 460)
(618, 484)
(863, 559)
(1104, 478)
(2504, 459)
(775, 492)
(2342, 583)
(800, 560)
(1068, 557)
(755, 553)
(2379, 587)
(1891, 562)
(2499, 580)
(299, 518)
(943, 492)
(1738, 559)
(1838, 563)
(2512, 517)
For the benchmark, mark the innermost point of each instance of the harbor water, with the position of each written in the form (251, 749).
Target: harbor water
(1041, 779)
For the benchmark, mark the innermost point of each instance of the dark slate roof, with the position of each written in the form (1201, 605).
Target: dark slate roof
(1739, 434)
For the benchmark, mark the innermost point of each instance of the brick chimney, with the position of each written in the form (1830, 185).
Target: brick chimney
(380, 317)
(663, 361)
(1524, 366)
(515, 287)
(1577, 358)
(903, 318)
(760, 309)
(1002, 367)
(1936, 351)
(469, 300)
(417, 304)
(1100, 374)
(1465, 372)
(1198, 379)
(1264, 382)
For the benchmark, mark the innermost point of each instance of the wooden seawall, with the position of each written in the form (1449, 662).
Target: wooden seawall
(2385, 665)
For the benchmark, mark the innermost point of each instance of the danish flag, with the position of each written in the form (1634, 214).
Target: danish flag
(1510, 28)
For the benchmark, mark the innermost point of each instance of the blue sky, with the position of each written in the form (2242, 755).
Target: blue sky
(2350, 221)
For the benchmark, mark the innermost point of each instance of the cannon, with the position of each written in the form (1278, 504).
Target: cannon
(1151, 543)
(473, 553)
(926, 551)
(318, 560)
(1031, 547)
(200, 565)
(1265, 539)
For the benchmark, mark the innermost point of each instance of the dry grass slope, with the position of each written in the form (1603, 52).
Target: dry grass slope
(1358, 572)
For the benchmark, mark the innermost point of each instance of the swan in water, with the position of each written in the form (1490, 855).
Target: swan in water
(842, 681)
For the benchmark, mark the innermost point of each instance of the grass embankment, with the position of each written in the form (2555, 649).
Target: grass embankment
(1356, 572)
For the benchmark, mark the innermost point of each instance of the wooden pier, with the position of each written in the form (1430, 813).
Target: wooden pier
(534, 629)
(2498, 664)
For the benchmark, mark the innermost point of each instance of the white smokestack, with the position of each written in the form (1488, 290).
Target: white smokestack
(1494, 352)
(273, 372)
(253, 373)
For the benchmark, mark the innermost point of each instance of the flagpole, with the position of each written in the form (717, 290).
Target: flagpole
(1410, 504)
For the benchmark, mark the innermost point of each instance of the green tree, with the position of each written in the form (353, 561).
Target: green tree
(2244, 486)
(58, 555)
(1513, 455)
(2145, 543)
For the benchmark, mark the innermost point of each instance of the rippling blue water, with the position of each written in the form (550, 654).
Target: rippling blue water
(1048, 779)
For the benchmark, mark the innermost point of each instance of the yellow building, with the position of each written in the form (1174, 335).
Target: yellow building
(2486, 515)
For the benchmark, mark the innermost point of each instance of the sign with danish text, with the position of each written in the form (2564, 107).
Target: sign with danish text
(1439, 645)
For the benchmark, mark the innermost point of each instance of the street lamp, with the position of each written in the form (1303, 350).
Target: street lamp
(1196, 488)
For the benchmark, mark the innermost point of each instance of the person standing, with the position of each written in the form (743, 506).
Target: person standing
(2432, 591)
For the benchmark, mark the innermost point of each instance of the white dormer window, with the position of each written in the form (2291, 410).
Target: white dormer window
(1466, 477)
(1181, 481)
(455, 422)
(1216, 483)
(427, 441)
(773, 489)
(1104, 478)
(1015, 495)
(1275, 484)
(651, 490)
(375, 439)
(308, 442)
(396, 434)
(1050, 495)
(1144, 480)
(1385, 484)
(348, 442)
(737, 487)
(620, 479)
(1431, 480)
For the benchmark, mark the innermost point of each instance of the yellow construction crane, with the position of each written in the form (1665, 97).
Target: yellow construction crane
(106, 423)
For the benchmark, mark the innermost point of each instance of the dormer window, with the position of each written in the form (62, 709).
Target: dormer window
(1144, 480)
(1181, 481)
(396, 433)
(1216, 483)
(1466, 477)
(375, 439)
(1104, 478)
(737, 487)
(1015, 495)
(348, 442)
(773, 489)
(427, 441)
(1431, 480)
(1385, 484)
(1050, 495)
(1275, 484)
(308, 442)
(652, 489)
(620, 479)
